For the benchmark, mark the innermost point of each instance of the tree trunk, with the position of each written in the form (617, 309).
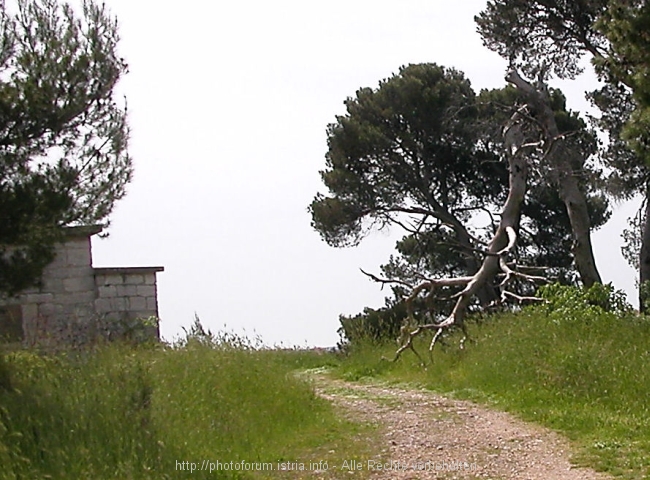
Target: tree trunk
(576, 205)
(644, 256)
(562, 168)
(510, 217)
(486, 294)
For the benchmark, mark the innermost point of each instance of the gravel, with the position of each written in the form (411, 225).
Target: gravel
(427, 436)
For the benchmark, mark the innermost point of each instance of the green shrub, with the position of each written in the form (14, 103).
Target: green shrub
(380, 325)
(565, 302)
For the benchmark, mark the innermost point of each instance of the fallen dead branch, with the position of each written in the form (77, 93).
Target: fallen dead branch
(496, 259)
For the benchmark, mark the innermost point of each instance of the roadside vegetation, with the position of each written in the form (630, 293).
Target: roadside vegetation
(579, 364)
(126, 412)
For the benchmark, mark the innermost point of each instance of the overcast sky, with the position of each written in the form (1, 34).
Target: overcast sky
(228, 105)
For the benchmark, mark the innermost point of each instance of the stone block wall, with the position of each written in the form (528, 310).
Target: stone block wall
(76, 302)
(126, 294)
(59, 311)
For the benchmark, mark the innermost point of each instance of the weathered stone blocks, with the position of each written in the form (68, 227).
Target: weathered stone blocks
(77, 301)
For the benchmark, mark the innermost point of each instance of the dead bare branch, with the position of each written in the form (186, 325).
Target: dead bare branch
(496, 260)
(385, 281)
(502, 244)
(403, 225)
(520, 298)
(510, 272)
(512, 241)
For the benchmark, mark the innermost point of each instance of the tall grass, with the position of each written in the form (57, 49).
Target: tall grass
(571, 365)
(120, 412)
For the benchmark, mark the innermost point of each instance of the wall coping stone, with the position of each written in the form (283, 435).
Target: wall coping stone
(126, 270)
(83, 230)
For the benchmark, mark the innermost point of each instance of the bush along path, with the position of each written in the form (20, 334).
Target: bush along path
(427, 436)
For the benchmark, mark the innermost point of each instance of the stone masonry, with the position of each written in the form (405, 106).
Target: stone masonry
(77, 303)
(126, 292)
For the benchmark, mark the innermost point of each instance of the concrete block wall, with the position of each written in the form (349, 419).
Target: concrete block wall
(77, 302)
(125, 294)
(59, 311)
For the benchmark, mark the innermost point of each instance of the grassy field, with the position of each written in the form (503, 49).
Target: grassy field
(579, 365)
(569, 365)
(120, 412)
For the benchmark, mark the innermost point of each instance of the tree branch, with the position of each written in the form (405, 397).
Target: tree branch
(385, 281)
(520, 298)
(512, 240)
(509, 273)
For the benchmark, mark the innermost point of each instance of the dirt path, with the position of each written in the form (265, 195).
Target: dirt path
(426, 436)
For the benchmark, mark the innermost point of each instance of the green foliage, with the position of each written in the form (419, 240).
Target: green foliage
(411, 141)
(625, 24)
(629, 174)
(542, 36)
(63, 155)
(374, 325)
(564, 303)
